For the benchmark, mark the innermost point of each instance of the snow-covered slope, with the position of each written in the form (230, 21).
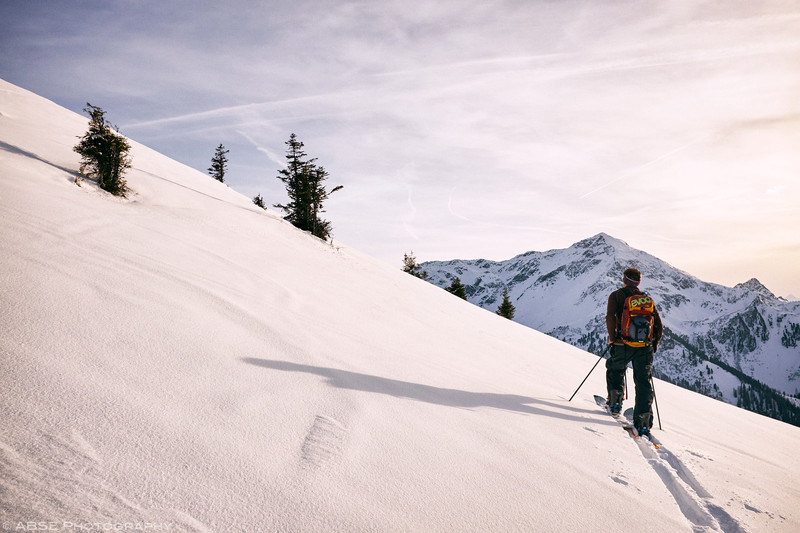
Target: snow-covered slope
(184, 359)
(745, 329)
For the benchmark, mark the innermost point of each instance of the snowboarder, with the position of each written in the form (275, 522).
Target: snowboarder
(634, 329)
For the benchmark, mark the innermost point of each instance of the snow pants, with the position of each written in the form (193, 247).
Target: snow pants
(642, 362)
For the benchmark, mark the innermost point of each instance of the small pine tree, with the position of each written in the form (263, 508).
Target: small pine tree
(457, 288)
(317, 196)
(104, 152)
(259, 201)
(411, 266)
(506, 309)
(304, 187)
(219, 164)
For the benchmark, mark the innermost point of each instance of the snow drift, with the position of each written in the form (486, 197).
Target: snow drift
(185, 360)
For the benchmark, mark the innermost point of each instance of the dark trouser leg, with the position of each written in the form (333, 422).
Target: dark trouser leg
(615, 373)
(642, 367)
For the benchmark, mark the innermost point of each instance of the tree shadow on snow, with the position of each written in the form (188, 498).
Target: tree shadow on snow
(17, 150)
(343, 379)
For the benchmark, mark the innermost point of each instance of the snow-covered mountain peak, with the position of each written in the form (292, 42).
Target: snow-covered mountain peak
(564, 293)
(756, 286)
(603, 240)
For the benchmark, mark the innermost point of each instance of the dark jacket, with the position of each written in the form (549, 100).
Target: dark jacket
(616, 301)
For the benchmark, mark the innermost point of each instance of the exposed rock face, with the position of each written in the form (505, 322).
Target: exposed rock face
(712, 333)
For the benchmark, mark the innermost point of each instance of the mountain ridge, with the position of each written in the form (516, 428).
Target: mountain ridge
(563, 292)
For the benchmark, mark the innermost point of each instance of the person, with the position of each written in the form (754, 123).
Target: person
(622, 353)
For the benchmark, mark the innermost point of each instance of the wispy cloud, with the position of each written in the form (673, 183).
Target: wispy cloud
(632, 173)
(515, 124)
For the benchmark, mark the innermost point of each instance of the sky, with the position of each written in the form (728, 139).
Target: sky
(466, 129)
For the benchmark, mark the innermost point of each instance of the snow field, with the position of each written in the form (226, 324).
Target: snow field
(185, 357)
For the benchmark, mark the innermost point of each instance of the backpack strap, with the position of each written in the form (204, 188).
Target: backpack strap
(630, 291)
(623, 294)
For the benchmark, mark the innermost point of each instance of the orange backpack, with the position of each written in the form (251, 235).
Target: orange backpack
(636, 328)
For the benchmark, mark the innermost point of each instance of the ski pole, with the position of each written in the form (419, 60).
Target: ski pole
(653, 388)
(589, 374)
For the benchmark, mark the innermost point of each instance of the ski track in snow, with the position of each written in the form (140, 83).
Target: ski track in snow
(694, 501)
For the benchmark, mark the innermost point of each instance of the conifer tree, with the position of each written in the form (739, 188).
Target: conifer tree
(506, 309)
(104, 152)
(219, 164)
(411, 266)
(259, 201)
(305, 188)
(317, 196)
(457, 288)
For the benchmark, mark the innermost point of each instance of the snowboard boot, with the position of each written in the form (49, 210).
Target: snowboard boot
(643, 423)
(615, 402)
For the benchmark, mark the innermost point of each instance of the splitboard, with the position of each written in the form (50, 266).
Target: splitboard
(626, 421)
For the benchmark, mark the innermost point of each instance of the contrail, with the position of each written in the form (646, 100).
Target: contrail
(243, 110)
(450, 206)
(265, 151)
(411, 216)
(644, 166)
(212, 113)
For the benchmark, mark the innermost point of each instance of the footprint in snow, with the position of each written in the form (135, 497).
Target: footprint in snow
(323, 441)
